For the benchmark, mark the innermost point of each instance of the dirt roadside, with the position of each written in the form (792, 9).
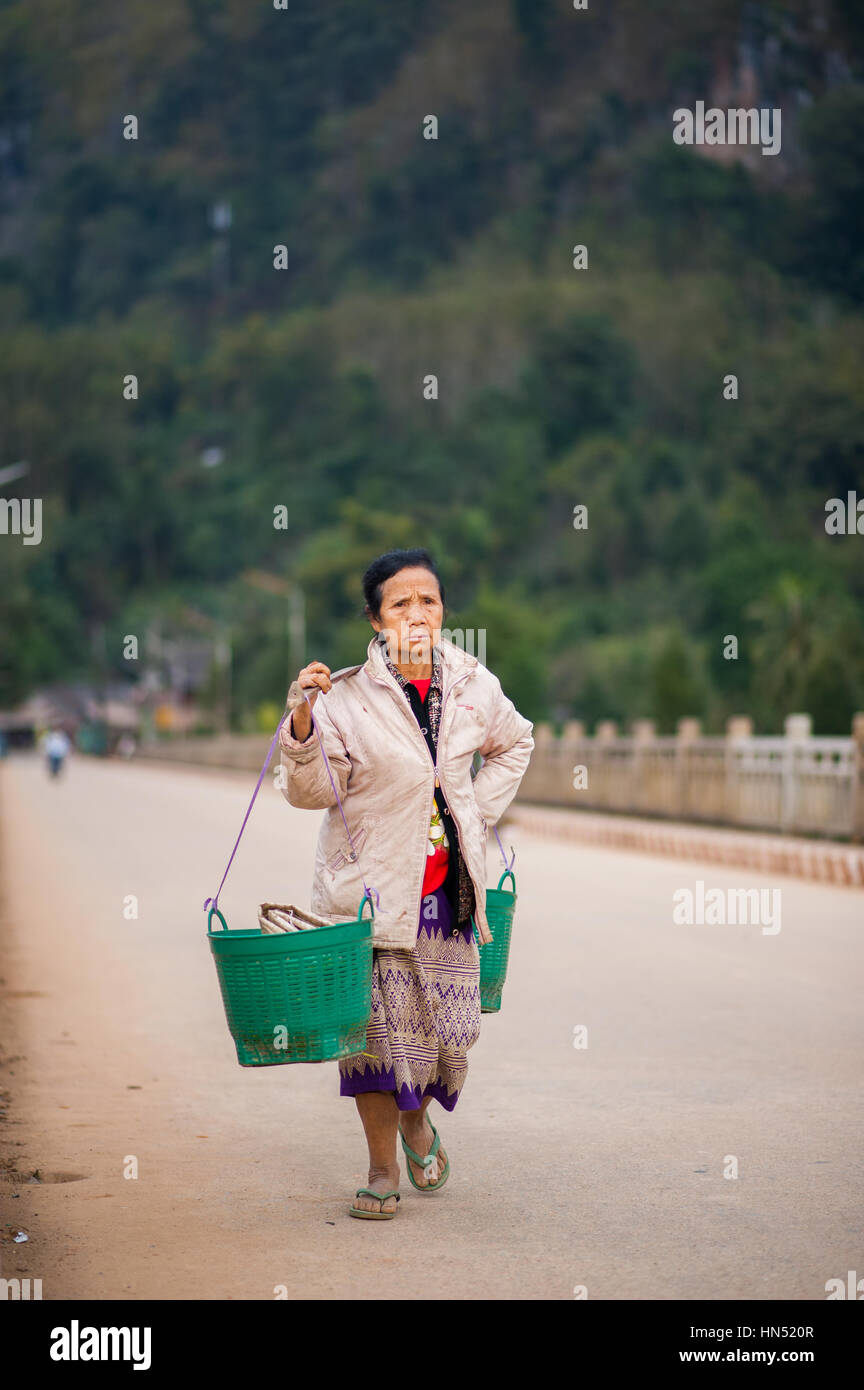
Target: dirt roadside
(186, 1177)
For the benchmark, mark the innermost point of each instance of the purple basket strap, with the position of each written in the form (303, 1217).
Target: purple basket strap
(507, 867)
(214, 902)
(354, 849)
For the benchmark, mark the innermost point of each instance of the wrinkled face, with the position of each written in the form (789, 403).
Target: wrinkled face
(411, 615)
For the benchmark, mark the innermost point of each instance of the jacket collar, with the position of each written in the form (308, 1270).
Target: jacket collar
(453, 660)
(437, 681)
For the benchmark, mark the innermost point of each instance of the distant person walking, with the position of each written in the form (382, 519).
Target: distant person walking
(126, 746)
(55, 746)
(419, 706)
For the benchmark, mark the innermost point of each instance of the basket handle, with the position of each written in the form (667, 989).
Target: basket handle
(219, 915)
(508, 873)
(366, 899)
(215, 901)
(367, 890)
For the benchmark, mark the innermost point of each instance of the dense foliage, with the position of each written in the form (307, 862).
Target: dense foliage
(406, 257)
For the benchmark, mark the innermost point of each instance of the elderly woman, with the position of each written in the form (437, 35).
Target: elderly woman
(401, 731)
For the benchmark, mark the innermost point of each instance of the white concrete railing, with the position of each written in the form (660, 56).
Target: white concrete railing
(796, 783)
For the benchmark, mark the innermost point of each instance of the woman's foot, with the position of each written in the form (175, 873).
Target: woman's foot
(419, 1137)
(380, 1180)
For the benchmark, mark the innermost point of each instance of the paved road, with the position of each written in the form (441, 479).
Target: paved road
(600, 1167)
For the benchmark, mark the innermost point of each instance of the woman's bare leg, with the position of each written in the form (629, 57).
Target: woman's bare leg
(380, 1116)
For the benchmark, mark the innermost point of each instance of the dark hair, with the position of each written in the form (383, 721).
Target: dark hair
(386, 566)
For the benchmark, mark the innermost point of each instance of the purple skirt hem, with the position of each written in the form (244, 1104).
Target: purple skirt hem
(406, 1099)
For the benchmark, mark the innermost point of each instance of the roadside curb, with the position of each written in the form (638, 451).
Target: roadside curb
(823, 861)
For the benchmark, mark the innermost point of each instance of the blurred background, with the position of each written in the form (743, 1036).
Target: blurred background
(255, 329)
(302, 387)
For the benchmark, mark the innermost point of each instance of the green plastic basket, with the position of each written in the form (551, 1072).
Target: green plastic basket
(500, 907)
(301, 996)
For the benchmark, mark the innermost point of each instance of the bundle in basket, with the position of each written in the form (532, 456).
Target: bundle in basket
(494, 955)
(296, 988)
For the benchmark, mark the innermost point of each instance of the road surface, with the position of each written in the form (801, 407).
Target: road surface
(596, 1170)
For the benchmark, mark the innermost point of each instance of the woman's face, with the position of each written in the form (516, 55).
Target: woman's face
(411, 615)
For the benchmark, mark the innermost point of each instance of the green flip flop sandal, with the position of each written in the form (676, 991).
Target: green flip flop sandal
(374, 1215)
(424, 1162)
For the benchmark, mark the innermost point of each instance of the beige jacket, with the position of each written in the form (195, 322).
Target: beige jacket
(386, 779)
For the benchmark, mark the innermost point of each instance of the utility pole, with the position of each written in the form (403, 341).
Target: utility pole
(296, 631)
(294, 592)
(220, 221)
(224, 656)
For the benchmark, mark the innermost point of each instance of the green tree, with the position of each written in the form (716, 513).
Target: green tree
(677, 689)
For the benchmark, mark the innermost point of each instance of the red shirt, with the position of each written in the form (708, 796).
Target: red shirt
(438, 851)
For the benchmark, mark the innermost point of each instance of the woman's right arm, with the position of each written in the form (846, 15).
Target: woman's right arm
(304, 780)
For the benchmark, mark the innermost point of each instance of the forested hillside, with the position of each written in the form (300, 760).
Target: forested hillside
(558, 387)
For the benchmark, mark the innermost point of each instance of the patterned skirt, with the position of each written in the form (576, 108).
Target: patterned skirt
(425, 1015)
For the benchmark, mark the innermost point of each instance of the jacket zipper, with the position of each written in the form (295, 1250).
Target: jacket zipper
(440, 784)
(434, 761)
(436, 770)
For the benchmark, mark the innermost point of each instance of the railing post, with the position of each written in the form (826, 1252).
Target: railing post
(858, 778)
(643, 733)
(573, 741)
(605, 735)
(687, 732)
(739, 729)
(544, 757)
(797, 729)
